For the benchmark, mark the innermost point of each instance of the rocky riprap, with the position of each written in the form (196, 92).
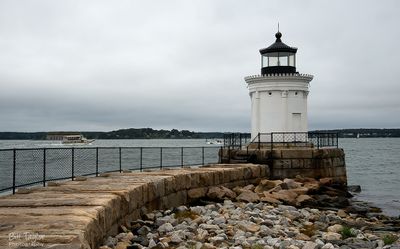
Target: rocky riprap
(256, 217)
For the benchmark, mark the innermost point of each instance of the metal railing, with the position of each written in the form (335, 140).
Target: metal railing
(303, 139)
(269, 141)
(27, 167)
(278, 139)
(236, 140)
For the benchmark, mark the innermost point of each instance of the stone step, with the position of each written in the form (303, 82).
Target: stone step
(238, 160)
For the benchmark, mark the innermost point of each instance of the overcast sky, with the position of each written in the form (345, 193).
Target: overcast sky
(105, 65)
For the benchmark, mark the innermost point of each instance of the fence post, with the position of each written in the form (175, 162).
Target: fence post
(222, 153)
(258, 141)
(97, 161)
(120, 160)
(14, 166)
(44, 167)
(318, 138)
(337, 140)
(72, 162)
(202, 155)
(240, 143)
(182, 157)
(160, 157)
(272, 141)
(141, 159)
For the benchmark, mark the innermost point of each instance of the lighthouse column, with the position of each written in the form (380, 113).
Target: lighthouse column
(255, 113)
(305, 120)
(285, 123)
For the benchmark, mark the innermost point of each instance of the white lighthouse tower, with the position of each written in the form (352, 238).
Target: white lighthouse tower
(279, 94)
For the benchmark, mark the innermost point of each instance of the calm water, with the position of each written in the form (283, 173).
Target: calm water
(373, 163)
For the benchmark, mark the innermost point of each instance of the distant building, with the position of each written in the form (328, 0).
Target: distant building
(59, 135)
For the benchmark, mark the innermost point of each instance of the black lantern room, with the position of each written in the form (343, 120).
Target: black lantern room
(278, 58)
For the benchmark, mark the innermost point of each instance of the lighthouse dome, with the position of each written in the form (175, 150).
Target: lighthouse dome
(278, 57)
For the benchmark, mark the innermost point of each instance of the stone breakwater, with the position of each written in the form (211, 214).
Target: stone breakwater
(239, 225)
(81, 213)
(259, 217)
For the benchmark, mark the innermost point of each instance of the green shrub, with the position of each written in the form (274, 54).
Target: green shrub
(257, 246)
(346, 232)
(389, 239)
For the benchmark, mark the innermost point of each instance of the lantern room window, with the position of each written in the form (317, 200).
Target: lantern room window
(278, 59)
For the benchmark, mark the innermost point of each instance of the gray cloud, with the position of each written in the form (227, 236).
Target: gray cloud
(102, 65)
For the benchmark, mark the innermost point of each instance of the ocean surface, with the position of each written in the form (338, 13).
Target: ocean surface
(372, 163)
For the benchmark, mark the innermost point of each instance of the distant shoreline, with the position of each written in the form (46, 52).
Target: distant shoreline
(149, 133)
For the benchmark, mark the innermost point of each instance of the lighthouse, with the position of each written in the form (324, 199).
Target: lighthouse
(279, 94)
(280, 140)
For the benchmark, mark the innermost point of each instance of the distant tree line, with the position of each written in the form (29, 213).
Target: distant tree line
(363, 132)
(149, 133)
(132, 133)
(23, 135)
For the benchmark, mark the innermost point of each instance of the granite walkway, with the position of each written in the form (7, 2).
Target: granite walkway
(81, 213)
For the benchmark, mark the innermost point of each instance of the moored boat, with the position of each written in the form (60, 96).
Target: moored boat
(76, 139)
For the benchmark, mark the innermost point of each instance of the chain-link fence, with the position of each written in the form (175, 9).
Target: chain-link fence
(26, 167)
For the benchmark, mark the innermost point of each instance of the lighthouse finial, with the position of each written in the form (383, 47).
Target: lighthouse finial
(278, 35)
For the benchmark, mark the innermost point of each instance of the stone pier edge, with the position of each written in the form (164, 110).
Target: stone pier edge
(80, 214)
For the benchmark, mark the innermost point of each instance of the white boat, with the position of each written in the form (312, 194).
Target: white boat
(76, 139)
(217, 141)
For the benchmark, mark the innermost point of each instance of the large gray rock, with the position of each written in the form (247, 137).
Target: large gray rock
(303, 200)
(248, 196)
(209, 227)
(310, 245)
(208, 246)
(248, 226)
(331, 236)
(265, 231)
(221, 192)
(202, 234)
(111, 242)
(144, 230)
(270, 184)
(177, 237)
(292, 184)
(335, 228)
(287, 196)
(165, 228)
(217, 239)
(328, 246)
(198, 210)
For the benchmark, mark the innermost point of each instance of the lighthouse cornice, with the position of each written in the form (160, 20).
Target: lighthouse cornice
(279, 77)
(278, 87)
(279, 82)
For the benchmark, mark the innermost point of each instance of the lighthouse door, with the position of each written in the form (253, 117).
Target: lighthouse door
(296, 121)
